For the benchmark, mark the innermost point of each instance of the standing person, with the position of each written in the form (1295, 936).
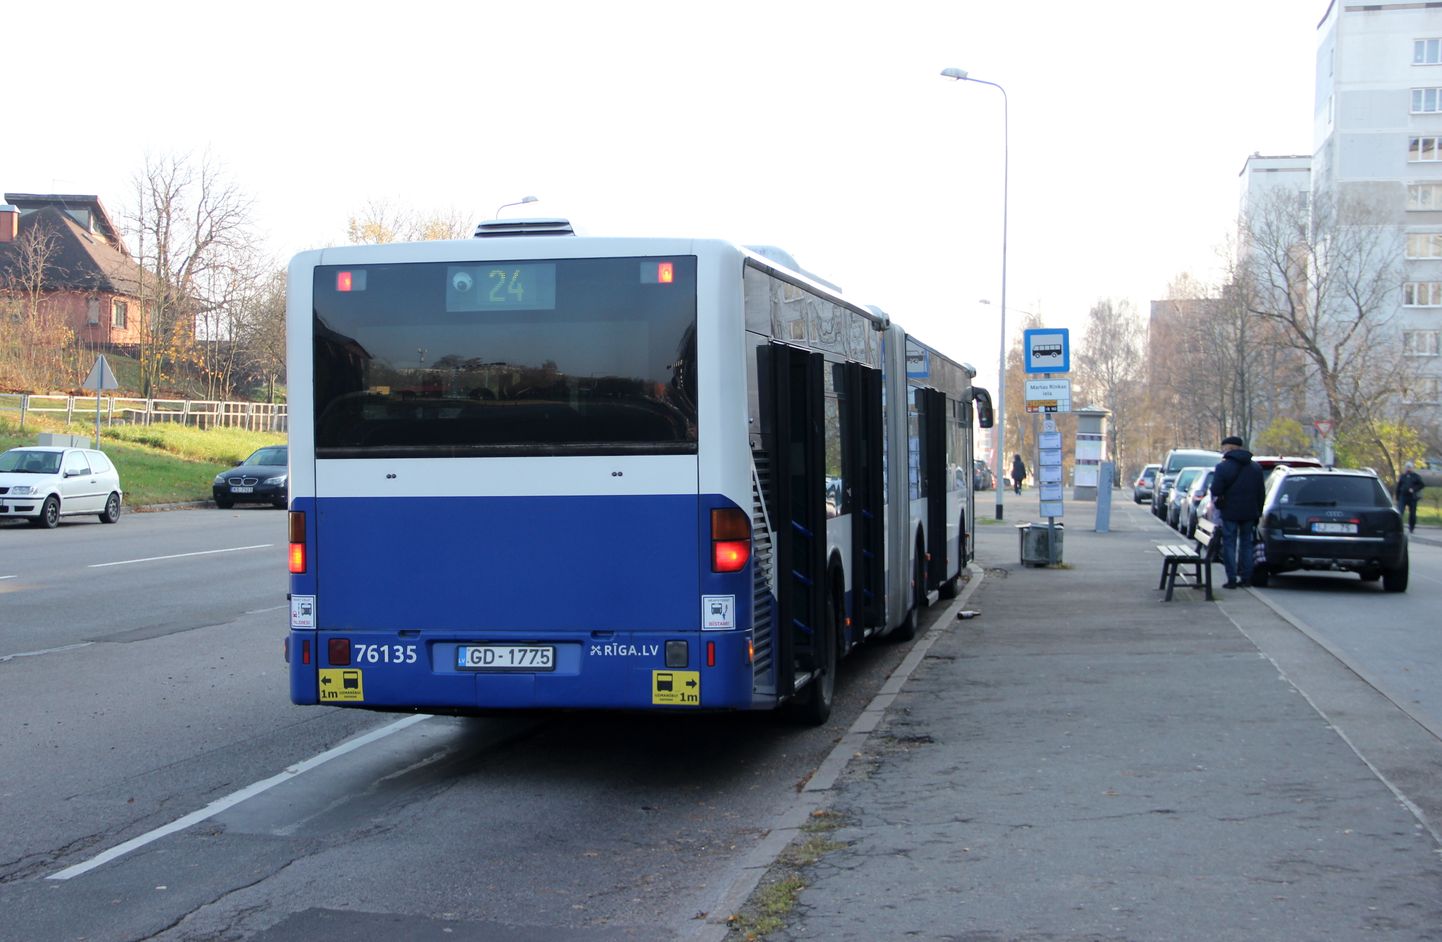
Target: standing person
(1409, 489)
(1018, 473)
(1237, 489)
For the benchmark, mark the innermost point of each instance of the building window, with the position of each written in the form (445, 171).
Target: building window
(1419, 343)
(1424, 149)
(1426, 51)
(119, 310)
(1422, 294)
(92, 311)
(1424, 245)
(1426, 100)
(1424, 196)
(1422, 389)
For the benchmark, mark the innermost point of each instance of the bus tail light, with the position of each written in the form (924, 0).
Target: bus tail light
(297, 541)
(338, 652)
(710, 653)
(730, 540)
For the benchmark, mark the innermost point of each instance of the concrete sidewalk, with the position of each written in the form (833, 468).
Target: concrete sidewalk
(1085, 761)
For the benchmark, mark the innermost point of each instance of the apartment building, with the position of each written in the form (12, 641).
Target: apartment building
(1378, 140)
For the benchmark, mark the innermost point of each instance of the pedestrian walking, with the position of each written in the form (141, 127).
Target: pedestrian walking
(1409, 489)
(1237, 490)
(1018, 473)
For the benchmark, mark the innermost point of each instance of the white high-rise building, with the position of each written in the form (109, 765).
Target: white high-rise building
(1378, 139)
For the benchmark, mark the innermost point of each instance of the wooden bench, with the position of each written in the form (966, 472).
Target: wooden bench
(1205, 531)
(1174, 558)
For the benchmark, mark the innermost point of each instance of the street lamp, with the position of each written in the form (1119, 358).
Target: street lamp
(520, 202)
(961, 76)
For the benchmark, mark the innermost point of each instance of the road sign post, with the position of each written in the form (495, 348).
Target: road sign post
(100, 379)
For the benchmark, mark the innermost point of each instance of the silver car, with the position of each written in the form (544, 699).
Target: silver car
(1146, 484)
(43, 483)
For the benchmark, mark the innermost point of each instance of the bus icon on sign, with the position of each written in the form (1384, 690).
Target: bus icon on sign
(1048, 350)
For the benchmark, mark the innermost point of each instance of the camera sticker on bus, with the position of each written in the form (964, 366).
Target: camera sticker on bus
(718, 612)
(340, 685)
(302, 611)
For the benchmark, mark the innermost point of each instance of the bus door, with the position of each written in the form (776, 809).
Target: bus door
(933, 424)
(868, 515)
(797, 413)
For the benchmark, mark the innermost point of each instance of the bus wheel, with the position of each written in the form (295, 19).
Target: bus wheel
(813, 708)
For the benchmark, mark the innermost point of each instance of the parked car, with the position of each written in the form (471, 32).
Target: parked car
(1331, 519)
(981, 477)
(1268, 462)
(1146, 484)
(261, 478)
(1181, 491)
(45, 483)
(1176, 460)
(1200, 489)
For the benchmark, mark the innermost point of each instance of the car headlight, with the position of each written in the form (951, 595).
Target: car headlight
(279, 479)
(219, 479)
(23, 490)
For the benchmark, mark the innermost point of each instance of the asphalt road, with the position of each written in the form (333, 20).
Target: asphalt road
(156, 782)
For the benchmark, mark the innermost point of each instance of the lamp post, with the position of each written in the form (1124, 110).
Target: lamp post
(961, 75)
(520, 202)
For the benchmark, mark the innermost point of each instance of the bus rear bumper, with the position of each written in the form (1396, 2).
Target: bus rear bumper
(601, 670)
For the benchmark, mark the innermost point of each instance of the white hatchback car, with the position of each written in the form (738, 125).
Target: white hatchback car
(45, 483)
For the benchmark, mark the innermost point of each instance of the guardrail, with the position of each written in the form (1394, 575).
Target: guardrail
(117, 410)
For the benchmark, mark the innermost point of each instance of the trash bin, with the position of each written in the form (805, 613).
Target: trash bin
(1036, 548)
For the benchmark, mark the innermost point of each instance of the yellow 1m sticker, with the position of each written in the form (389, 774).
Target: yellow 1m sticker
(340, 685)
(676, 688)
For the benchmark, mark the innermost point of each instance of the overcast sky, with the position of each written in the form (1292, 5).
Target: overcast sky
(821, 127)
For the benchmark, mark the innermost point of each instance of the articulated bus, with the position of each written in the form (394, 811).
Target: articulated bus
(535, 470)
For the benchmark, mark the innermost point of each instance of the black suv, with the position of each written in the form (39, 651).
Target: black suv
(1331, 519)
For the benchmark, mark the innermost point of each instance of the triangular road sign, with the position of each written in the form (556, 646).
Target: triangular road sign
(101, 376)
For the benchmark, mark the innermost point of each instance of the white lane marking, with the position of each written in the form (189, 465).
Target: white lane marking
(262, 611)
(235, 798)
(63, 647)
(151, 559)
(10, 577)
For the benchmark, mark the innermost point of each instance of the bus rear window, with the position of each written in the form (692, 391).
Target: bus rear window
(551, 357)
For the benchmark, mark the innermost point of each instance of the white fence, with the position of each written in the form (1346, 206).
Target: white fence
(114, 410)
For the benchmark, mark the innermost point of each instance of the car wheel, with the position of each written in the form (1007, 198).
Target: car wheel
(111, 513)
(1395, 580)
(49, 516)
(1260, 576)
(224, 503)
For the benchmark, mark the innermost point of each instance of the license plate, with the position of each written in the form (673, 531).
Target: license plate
(506, 657)
(241, 489)
(1334, 528)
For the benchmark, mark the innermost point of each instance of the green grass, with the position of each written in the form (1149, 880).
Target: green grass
(158, 464)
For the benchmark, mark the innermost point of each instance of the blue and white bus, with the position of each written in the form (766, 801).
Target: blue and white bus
(534, 470)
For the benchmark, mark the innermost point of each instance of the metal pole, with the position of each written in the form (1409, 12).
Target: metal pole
(1000, 438)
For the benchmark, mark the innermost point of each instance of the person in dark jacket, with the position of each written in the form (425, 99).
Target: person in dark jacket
(1237, 491)
(1409, 489)
(1018, 472)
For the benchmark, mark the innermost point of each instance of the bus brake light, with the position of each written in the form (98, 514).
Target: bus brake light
(665, 273)
(343, 281)
(297, 541)
(730, 540)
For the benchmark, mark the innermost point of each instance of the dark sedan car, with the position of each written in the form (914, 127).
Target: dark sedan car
(259, 479)
(1331, 519)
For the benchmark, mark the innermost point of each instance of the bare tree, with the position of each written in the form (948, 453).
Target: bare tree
(1324, 275)
(1109, 372)
(32, 351)
(261, 322)
(191, 224)
(380, 221)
